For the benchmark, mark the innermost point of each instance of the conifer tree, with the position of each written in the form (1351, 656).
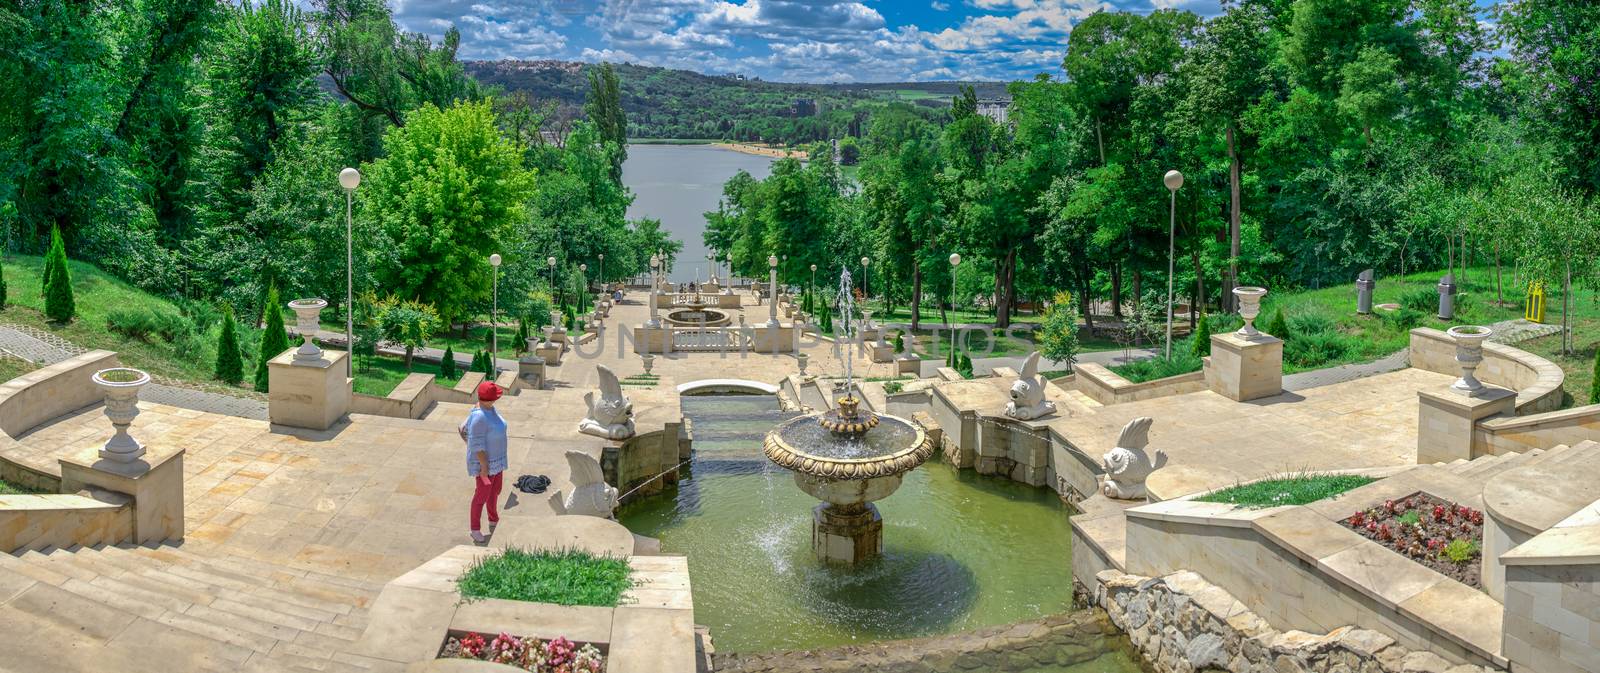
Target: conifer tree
(49, 261)
(274, 337)
(230, 364)
(1201, 345)
(2, 288)
(58, 302)
(1277, 326)
(447, 364)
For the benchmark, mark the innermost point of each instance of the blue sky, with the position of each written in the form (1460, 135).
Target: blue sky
(786, 40)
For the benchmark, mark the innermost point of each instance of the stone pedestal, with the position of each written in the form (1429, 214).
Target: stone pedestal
(1245, 368)
(313, 394)
(881, 352)
(550, 353)
(908, 364)
(154, 481)
(1446, 419)
(846, 534)
(531, 369)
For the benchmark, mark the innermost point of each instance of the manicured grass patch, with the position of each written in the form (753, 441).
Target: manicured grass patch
(8, 488)
(642, 380)
(563, 577)
(379, 375)
(1296, 490)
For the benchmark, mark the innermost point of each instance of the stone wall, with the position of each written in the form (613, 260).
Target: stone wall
(1519, 434)
(50, 392)
(1550, 617)
(1180, 624)
(635, 463)
(40, 521)
(1538, 382)
(1106, 387)
(1056, 641)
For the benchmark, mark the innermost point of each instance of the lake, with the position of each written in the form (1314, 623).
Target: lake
(679, 184)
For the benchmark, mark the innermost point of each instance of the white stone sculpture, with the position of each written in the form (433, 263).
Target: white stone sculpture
(307, 312)
(1469, 354)
(1027, 393)
(611, 416)
(1128, 465)
(591, 495)
(1249, 307)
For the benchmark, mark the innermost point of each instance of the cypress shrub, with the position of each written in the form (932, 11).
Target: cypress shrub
(1594, 386)
(447, 365)
(230, 363)
(58, 302)
(49, 261)
(1277, 326)
(274, 337)
(2, 288)
(1201, 344)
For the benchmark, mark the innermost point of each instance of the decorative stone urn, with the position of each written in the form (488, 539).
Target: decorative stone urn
(306, 313)
(1249, 307)
(803, 359)
(121, 386)
(649, 361)
(1469, 354)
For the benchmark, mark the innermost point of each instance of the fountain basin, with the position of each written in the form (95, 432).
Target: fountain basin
(848, 460)
(698, 317)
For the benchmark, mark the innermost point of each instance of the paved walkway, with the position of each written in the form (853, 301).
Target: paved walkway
(44, 348)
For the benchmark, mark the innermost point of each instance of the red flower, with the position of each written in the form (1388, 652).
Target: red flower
(1439, 512)
(1357, 519)
(1389, 506)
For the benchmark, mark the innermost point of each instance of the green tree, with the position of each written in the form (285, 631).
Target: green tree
(1594, 383)
(603, 108)
(2, 287)
(48, 274)
(1058, 333)
(1277, 326)
(447, 364)
(450, 190)
(274, 338)
(1370, 90)
(407, 322)
(230, 362)
(1556, 44)
(1200, 344)
(58, 301)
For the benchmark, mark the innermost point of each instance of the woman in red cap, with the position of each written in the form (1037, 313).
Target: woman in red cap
(485, 433)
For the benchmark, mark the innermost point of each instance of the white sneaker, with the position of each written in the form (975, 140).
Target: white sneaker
(479, 537)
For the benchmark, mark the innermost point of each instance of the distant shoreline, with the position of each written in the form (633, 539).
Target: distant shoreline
(746, 148)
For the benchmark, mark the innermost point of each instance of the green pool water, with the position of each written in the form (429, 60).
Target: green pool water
(961, 551)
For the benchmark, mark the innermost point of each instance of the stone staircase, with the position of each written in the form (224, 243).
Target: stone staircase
(167, 608)
(1484, 469)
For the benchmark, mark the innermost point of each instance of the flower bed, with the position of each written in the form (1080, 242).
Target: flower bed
(1442, 536)
(529, 654)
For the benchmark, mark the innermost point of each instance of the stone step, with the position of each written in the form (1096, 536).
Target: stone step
(15, 564)
(1457, 465)
(1485, 465)
(61, 564)
(1547, 454)
(1576, 453)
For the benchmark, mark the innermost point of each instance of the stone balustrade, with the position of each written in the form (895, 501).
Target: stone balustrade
(1538, 382)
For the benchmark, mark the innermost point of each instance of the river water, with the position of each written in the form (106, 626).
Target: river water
(679, 184)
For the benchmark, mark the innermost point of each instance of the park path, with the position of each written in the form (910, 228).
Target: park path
(44, 348)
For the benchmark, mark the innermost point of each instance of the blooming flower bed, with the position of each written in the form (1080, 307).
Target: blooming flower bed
(529, 654)
(1444, 536)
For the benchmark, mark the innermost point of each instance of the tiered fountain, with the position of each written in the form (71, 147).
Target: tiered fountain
(847, 457)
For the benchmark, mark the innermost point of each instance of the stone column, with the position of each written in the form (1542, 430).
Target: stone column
(1364, 287)
(772, 295)
(314, 394)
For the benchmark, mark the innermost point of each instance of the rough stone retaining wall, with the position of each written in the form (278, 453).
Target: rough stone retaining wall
(1059, 640)
(1181, 624)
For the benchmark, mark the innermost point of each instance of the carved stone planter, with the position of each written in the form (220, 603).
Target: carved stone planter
(803, 359)
(1469, 354)
(121, 386)
(649, 361)
(307, 313)
(1249, 308)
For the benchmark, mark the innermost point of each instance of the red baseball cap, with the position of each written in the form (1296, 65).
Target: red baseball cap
(488, 391)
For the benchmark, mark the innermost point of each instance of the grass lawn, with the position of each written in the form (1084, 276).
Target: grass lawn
(189, 357)
(1296, 490)
(11, 368)
(379, 375)
(566, 577)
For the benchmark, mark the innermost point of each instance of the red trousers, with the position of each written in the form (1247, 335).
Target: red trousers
(485, 494)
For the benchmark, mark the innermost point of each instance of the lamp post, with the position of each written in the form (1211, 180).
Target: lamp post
(601, 272)
(866, 288)
(583, 297)
(554, 294)
(812, 291)
(955, 261)
(772, 290)
(494, 304)
(1173, 180)
(349, 179)
(655, 290)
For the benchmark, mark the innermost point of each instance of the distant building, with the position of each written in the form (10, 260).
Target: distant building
(994, 108)
(804, 107)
